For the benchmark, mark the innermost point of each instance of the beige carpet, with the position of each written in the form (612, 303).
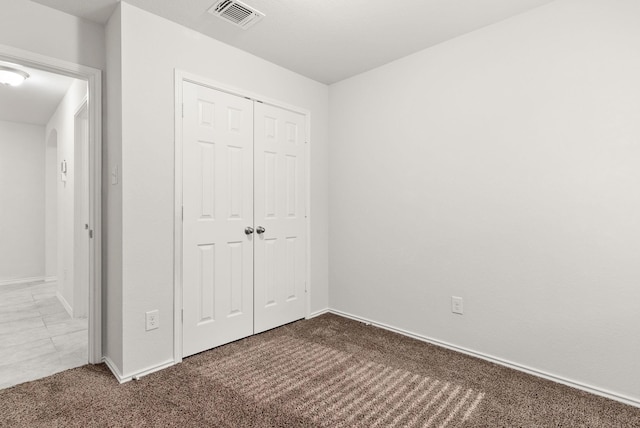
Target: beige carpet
(325, 372)
(331, 388)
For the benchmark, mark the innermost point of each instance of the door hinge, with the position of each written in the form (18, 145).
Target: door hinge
(182, 213)
(90, 233)
(182, 315)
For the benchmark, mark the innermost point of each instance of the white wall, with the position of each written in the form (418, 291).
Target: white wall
(52, 177)
(502, 167)
(22, 200)
(62, 121)
(151, 48)
(30, 26)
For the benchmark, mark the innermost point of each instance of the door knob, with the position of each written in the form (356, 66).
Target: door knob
(248, 230)
(260, 230)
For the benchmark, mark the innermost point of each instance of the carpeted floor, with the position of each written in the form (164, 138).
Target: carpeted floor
(324, 372)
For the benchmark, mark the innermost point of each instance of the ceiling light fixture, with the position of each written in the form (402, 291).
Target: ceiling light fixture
(12, 77)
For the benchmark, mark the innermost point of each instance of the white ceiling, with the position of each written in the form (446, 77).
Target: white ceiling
(36, 99)
(326, 40)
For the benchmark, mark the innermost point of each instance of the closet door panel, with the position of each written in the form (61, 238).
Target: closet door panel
(217, 280)
(280, 252)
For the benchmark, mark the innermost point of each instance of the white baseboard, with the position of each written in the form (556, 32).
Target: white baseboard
(114, 369)
(21, 280)
(67, 306)
(50, 278)
(126, 378)
(318, 313)
(522, 368)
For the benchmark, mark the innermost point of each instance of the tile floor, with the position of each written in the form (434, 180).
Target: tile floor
(37, 336)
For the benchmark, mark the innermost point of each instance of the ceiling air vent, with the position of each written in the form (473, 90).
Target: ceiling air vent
(236, 13)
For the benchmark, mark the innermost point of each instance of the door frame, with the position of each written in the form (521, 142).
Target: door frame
(181, 76)
(79, 232)
(93, 77)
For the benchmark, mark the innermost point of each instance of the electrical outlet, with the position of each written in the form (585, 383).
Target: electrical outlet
(456, 305)
(153, 320)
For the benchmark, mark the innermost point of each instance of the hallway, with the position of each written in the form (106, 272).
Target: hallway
(37, 336)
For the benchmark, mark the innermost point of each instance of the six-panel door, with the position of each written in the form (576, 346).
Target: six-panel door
(218, 205)
(279, 195)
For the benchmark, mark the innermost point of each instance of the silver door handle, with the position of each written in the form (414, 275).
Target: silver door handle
(260, 230)
(248, 230)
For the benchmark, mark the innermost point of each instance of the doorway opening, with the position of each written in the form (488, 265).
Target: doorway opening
(50, 155)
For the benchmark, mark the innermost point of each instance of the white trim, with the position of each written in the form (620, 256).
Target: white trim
(93, 77)
(181, 76)
(22, 280)
(149, 370)
(114, 369)
(177, 222)
(126, 378)
(318, 313)
(65, 304)
(83, 103)
(50, 278)
(307, 212)
(79, 233)
(94, 91)
(505, 363)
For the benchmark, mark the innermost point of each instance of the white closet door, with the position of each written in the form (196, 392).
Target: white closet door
(280, 252)
(218, 205)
